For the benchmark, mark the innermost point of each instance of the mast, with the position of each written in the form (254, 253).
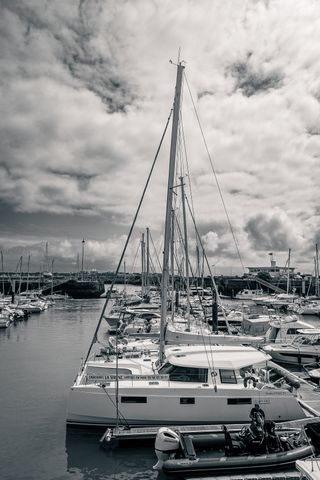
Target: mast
(317, 289)
(185, 231)
(52, 262)
(172, 266)
(39, 278)
(202, 272)
(288, 277)
(78, 265)
(28, 270)
(148, 264)
(82, 258)
(124, 281)
(198, 274)
(46, 259)
(20, 274)
(143, 266)
(2, 273)
(167, 231)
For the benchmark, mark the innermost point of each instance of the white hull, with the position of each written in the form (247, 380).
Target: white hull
(175, 337)
(294, 358)
(249, 294)
(91, 405)
(308, 311)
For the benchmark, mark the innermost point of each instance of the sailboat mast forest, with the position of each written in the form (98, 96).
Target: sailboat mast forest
(183, 384)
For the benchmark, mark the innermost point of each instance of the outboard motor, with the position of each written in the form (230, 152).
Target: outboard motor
(167, 443)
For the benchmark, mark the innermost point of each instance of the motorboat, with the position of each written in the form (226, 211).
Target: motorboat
(274, 328)
(31, 302)
(247, 294)
(285, 329)
(313, 371)
(30, 307)
(57, 296)
(303, 349)
(233, 451)
(281, 301)
(311, 307)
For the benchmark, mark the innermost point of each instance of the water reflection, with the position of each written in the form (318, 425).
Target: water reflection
(87, 460)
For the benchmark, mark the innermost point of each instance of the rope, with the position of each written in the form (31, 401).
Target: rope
(215, 176)
(135, 257)
(200, 326)
(128, 239)
(123, 418)
(156, 253)
(209, 268)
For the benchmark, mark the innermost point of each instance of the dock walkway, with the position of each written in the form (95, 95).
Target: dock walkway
(308, 396)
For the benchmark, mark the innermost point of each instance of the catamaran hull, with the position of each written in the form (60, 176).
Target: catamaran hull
(96, 406)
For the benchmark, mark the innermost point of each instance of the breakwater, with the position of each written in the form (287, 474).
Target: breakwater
(91, 285)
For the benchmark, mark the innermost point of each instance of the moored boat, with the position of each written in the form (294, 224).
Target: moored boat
(193, 385)
(248, 294)
(206, 383)
(233, 452)
(303, 349)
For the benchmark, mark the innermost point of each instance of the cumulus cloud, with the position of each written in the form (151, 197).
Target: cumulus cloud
(273, 231)
(86, 89)
(66, 254)
(251, 82)
(210, 242)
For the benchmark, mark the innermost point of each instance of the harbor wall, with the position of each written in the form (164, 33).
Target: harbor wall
(92, 286)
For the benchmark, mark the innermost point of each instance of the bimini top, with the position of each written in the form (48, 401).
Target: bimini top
(219, 356)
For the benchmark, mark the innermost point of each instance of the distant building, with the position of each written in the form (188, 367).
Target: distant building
(274, 270)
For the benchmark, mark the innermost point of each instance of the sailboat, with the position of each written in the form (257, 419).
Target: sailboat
(195, 384)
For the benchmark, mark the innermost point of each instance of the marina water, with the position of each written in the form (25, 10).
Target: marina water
(39, 359)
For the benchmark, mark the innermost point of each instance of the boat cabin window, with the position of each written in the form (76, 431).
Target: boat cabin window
(239, 401)
(272, 333)
(310, 341)
(185, 374)
(227, 376)
(292, 331)
(306, 340)
(187, 401)
(133, 399)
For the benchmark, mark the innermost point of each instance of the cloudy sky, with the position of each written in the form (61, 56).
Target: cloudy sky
(86, 89)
